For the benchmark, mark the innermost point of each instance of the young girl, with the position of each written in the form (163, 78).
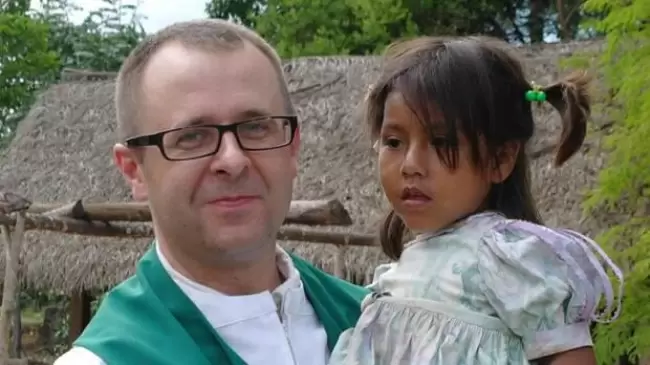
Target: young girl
(483, 282)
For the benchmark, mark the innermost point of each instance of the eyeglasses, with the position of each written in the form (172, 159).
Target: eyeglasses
(187, 143)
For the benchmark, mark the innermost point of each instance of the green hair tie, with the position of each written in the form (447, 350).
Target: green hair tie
(536, 94)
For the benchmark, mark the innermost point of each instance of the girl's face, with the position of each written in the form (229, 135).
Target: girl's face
(423, 191)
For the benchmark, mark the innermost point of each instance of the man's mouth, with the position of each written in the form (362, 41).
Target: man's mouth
(234, 201)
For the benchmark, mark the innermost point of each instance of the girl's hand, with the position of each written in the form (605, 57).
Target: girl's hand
(579, 356)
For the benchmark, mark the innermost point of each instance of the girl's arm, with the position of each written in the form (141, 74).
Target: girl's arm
(579, 356)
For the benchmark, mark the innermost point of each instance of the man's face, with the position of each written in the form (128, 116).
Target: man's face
(229, 206)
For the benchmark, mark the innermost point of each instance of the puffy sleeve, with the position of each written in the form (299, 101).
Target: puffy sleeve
(545, 284)
(380, 270)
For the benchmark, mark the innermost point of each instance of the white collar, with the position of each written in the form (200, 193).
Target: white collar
(223, 310)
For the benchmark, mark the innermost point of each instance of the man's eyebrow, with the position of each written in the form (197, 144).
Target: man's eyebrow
(251, 113)
(240, 117)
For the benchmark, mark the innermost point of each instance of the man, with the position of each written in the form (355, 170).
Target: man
(211, 142)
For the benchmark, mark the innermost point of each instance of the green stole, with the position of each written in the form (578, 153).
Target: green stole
(147, 319)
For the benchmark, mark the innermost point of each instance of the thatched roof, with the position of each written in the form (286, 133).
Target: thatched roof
(61, 153)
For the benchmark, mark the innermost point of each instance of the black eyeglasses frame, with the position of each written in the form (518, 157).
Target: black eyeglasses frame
(156, 139)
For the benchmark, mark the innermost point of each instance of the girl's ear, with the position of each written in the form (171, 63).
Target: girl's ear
(507, 158)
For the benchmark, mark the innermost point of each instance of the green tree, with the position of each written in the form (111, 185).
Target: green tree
(497, 18)
(37, 45)
(100, 42)
(14, 6)
(327, 27)
(240, 11)
(624, 184)
(26, 63)
(522, 21)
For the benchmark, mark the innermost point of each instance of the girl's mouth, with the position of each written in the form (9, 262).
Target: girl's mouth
(412, 195)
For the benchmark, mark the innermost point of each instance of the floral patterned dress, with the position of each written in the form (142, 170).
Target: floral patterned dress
(487, 291)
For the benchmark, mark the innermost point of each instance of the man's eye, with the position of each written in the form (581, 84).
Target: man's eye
(190, 137)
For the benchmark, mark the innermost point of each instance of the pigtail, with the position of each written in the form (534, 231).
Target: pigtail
(391, 236)
(571, 99)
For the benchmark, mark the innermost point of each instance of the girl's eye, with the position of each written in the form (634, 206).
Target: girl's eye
(391, 142)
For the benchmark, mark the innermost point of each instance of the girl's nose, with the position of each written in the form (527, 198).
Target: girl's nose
(415, 159)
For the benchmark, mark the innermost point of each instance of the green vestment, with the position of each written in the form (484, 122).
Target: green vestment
(148, 319)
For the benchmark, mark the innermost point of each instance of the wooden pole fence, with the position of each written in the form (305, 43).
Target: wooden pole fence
(101, 229)
(308, 212)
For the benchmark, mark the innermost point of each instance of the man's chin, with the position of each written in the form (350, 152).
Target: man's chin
(240, 245)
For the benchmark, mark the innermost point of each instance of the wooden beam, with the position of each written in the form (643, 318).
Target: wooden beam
(79, 311)
(76, 226)
(318, 212)
(308, 212)
(335, 238)
(11, 202)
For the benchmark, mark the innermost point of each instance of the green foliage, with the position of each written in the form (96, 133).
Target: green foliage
(519, 21)
(26, 63)
(100, 42)
(623, 184)
(380, 22)
(39, 44)
(498, 18)
(14, 6)
(240, 11)
(324, 27)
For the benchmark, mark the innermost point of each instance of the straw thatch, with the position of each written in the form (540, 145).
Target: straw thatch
(61, 153)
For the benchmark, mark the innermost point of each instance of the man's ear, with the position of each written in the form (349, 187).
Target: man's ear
(507, 159)
(130, 165)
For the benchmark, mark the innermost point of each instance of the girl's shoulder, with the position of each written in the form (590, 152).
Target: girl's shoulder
(549, 257)
(466, 230)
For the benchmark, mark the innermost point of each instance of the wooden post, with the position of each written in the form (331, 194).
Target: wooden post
(339, 263)
(4, 318)
(13, 243)
(79, 311)
(10, 203)
(17, 328)
(341, 251)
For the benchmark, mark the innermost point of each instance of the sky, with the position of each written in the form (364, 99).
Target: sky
(158, 13)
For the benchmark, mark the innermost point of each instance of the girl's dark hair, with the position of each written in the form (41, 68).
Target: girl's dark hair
(479, 87)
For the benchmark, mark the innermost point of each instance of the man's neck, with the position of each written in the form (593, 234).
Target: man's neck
(246, 279)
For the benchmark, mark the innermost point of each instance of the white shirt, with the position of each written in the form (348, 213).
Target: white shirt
(278, 328)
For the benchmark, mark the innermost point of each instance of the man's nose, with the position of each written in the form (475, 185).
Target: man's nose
(415, 161)
(230, 159)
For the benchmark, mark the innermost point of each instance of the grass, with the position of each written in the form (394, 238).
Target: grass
(31, 317)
